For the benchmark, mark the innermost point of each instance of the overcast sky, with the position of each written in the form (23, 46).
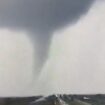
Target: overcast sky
(55, 41)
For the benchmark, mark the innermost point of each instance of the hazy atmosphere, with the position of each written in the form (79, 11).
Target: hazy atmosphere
(52, 46)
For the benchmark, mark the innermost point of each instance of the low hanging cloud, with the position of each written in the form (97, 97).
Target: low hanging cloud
(40, 18)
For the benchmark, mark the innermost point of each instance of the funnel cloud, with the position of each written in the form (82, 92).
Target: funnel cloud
(40, 18)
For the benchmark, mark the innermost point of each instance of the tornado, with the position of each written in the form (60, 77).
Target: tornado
(41, 18)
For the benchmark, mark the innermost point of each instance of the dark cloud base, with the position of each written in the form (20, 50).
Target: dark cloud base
(42, 17)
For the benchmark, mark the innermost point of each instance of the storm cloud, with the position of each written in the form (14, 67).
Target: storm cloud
(41, 18)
